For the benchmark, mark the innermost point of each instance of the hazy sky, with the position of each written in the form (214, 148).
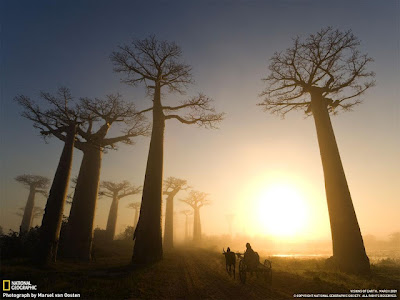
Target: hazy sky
(48, 44)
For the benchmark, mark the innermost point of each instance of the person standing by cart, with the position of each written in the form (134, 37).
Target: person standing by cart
(251, 258)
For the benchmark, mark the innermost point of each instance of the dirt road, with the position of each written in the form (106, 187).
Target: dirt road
(200, 274)
(191, 274)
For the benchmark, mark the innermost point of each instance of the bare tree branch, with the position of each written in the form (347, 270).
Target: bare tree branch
(328, 60)
(35, 181)
(119, 190)
(55, 113)
(173, 185)
(196, 199)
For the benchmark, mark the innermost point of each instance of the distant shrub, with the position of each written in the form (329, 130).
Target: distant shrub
(389, 262)
(127, 234)
(14, 245)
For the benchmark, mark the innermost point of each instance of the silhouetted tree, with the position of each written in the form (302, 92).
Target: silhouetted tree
(56, 116)
(322, 74)
(157, 64)
(101, 114)
(37, 212)
(171, 187)
(136, 207)
(115, 191)
(36, 184)
(187, 213)
(95, 117)
(196, 200)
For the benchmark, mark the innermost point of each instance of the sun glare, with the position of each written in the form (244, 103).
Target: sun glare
(281, 211)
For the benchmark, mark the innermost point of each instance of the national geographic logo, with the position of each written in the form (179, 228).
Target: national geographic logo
(6, 285)
(17, 285)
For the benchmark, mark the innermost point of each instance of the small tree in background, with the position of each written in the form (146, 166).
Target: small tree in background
(37, 212)
(171, 188)
(321, 74)
(136, 207)
(35, 184)
(115, 191)
(187, 213)
(197, 200)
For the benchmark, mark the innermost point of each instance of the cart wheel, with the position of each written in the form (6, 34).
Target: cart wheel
(242, 271)
(268, 272)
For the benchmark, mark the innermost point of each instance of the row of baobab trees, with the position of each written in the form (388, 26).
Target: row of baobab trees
(117, 191)
(321, 74)
(84, 124)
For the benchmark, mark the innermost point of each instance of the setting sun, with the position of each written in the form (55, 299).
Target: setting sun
(281, 210)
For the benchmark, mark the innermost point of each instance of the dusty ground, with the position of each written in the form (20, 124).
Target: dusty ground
(192, 274)
(202, 275)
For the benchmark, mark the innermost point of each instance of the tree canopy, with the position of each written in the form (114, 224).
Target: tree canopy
(329, 61)
(156, 63)
(39, 183)
(196, 199)
(52, 114)
(120, 190)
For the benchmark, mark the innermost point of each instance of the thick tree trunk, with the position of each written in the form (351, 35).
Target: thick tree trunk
(148, 245)
(136, 217)
(27, 218)
(169, 223)
(52, 219)
(81, 219)
(112, 218)
(196, 225)
(348, 247)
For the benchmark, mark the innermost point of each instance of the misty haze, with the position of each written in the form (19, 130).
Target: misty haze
(222, 149)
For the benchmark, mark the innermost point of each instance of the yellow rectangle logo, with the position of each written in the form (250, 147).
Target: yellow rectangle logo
(6, 285)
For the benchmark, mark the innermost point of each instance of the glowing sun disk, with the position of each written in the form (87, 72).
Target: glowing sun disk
(281, 210)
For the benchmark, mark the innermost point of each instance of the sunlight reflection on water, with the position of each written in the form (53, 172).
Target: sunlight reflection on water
(301, 255)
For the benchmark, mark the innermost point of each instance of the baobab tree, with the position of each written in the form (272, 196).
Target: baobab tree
(35, 184)
(136, 207)
(37, 212)
(322, 74)
(187, 213)
(101, 114)
(115, 191)
(56, 116)
(196, 200)
(171, 188)
(95, 116)
(158, 65)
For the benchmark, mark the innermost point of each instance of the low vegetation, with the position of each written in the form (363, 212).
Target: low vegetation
(187, 272)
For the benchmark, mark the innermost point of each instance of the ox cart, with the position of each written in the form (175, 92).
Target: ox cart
(261, 270)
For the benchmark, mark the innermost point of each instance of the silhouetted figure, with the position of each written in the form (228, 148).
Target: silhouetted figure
(251, 258)
(230, 261)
